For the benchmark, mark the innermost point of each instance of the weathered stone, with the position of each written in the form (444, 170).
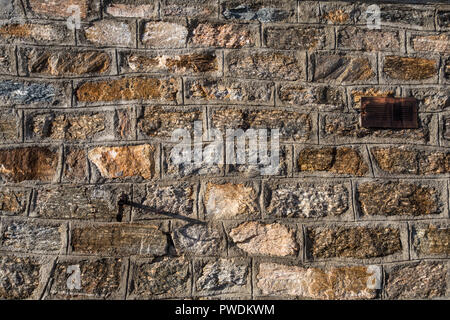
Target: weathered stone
(230, 201)
(222, 276)
(409, 68)
(19, 278)
(446, 133)
(157, 201)
(61, 8)
(338, 128)
(422, 280)
(265, 65)
(431, 240)
(307, 200)
(308, 11)
(353, 38)
(68, 126)
(175, 170)
(257, 238)
(321, 98)
(162, 121)
(35, 33)
(161, 34)
(336, 12)
(28, 163)
(430, 99)
(125, 123)
(443, 19)
(292, 125)
(166, 277)
(75, 165)
(198, 239)
(197, 62)
(396, 160)
(228, 90)
(357, 93)
(189, 8)
(65, 62)
(260, 10)
(447, 69)
(13, 201)
(9, 125)
(123, 162)
(224, 35)
(33, 236)
(33, 92)
(342, 160)
(405, 160)
(404, 15)
(331, 283)
(431, 43)
(398, 199)
(132, 9)
(7, 60)
(119, 239)
(135, 88)
(342, 68)
(99, 278)
(109, 33)
(359, 242)
(100, 203)
(302, 38)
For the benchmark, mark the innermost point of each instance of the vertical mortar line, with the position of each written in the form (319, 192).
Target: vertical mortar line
(49, 279)
(409, 244)
(372, 170)
(136, 34)
(306, 62)
(439, 129)
(260, 35)
(319, 116)
(353, 200)
(160, 160)
(405, 41)
(72, 95)
(252, 265)
(227, 249)
(383, 283)
(192, 278)
(262, 200)
(335, 42)
(68, 237)
(23, 7)
(16, 57)
(304, 245)
(61, 162)
(127, 277)
(218, 9)
(23, 124)
(182, 90)
(30, 200)
(378, 66)
(116, 56)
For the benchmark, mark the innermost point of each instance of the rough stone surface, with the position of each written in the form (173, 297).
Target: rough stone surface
(291, 125)
(28, 236)
(431, 99)
(9, 126)
(307, 200)
(224, 35)
(409, 68)
(300, 38)
(168, 277)
(398, 199)
(342, 160)
(113, 33)
(368, 40)
(49, 33)
(265, 65)
(197, 239)
(60, 8)
(404, 160)
(100, 203)
(100, 278)
(332, 283)
(164, 201)
(31, 92)
(353, 242)
(163, 34)
(189, 8)
(422, 280)
(257, 238)
(65, 63)
(123, 162)
(197, 62)
(230, 201)
(66, 126)
(222, 276)
(19, 277)
(75, 166)
(357, 93)
(7, 60)
(322, 98)
(160, 121)
(341, 68)
(431, 239)
(138, 88)
(119, 240)
(228, 90)
(13, 201)
(261, 10)
(431, 43)
(32, 163)
(132, 9)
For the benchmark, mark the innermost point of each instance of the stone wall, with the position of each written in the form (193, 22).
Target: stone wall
(88, 189)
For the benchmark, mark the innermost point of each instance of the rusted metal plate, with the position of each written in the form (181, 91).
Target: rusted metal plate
(387, 112)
